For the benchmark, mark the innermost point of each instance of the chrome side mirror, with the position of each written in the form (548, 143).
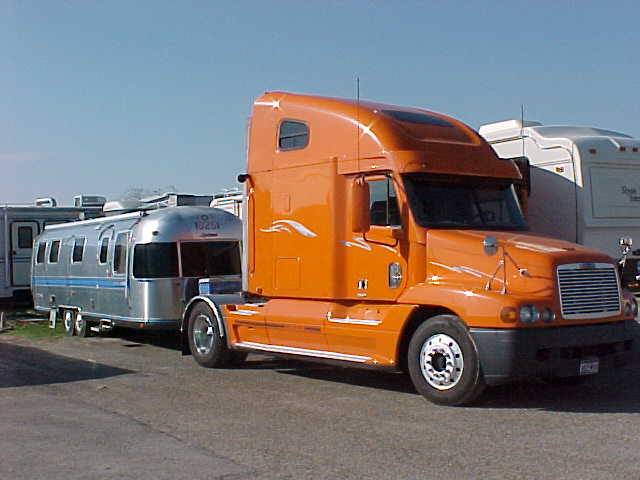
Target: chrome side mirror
(625, 244)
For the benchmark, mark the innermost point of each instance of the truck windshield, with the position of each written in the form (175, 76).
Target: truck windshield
(455, 201)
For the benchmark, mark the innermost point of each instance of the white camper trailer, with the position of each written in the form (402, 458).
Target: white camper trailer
(229, 201)
(585, 184)
(20, 224)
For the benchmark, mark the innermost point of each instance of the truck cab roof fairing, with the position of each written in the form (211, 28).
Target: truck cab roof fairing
(384, 137)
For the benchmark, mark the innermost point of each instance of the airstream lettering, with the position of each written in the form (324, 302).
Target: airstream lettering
(137, 269)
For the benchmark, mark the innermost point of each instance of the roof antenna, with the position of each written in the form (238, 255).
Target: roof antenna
(522, 127)
(357, 118)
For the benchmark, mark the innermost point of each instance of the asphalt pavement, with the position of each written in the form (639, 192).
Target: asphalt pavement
(129, 406)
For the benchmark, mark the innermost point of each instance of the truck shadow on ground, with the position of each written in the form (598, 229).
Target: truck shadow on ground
(27, 366)
(169, 339)
(614, 392)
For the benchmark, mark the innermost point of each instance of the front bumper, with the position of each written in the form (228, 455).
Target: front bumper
(512, 354)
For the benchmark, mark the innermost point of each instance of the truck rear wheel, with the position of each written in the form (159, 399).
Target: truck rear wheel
(81, 326)
(205, 342)
(443, 362)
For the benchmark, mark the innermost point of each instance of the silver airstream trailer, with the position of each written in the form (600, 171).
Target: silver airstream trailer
(137, 269)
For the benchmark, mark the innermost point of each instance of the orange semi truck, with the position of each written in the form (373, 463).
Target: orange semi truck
(393, 237)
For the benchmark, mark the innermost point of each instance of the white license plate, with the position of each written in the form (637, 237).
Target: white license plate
(589, 366)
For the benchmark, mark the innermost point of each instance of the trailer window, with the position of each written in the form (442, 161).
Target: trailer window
(155, 260)
(54, 253)
(120, 253)
(78, 249)
(40, 255)
(25, 237)
(205, 259)
(104, 249)
(293, 135)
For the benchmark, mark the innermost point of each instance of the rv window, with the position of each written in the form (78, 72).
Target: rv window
(78, 250)
(120, 253)
(383, 204)
(293, 135)
(104, 248)
(40, 255)
(205, 259)
(25, 237)
(155, 260)
(54, 253)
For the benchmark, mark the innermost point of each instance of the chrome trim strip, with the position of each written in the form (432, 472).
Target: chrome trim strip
(244, 312)
(303, 351)
(352, 321)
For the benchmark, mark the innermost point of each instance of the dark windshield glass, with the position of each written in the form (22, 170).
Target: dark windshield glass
(440, 201)
(155, 260)
(206, 259)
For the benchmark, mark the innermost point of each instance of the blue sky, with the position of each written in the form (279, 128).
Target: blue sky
(102, 96)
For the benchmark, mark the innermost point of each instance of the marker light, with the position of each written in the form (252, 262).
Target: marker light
(508, 315)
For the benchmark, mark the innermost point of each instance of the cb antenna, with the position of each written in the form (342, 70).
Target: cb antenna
(522, 127)
(357, 118)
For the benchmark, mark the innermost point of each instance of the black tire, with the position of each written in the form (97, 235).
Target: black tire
(237, 357)
(82, 326)
(443, 362)
(69, 322)
(205, 343)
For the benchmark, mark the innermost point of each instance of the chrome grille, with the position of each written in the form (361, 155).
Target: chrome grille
(588, 290)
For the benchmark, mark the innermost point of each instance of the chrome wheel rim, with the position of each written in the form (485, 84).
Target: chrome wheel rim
(203, 332)
(79, 322)
(68, 321)
(441, 361)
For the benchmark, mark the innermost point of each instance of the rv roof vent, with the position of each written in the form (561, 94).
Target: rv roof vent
(172, 199)
(46, 202)
(116, 207)
(506, 125)
(89, 201)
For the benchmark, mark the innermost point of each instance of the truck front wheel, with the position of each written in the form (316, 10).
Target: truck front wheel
(443, 362)
(206, 344)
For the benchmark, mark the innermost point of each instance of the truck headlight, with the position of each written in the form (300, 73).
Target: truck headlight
(529, 314)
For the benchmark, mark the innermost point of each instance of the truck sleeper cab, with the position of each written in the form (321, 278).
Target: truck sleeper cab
(392, 237)
(135, 270)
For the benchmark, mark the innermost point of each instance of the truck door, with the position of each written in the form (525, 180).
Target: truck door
(22, 235)
(376, 258)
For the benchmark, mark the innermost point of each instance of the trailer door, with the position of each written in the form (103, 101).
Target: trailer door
(22, 235)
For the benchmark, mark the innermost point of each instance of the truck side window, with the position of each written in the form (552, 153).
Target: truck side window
(383, 203)
(78, 249)
(120, 253)
(40, 255)
(54, 253)
(293, 135)
(104, 248)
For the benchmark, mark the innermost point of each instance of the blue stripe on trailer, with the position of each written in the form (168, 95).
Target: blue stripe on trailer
(92, 282)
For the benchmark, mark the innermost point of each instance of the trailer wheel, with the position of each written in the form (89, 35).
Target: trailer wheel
(82, 326)
(443, 362)
(205, 343)
(69, 324)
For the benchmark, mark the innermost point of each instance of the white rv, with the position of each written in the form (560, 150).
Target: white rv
(229, 201)
(585, 183)
(20, 224)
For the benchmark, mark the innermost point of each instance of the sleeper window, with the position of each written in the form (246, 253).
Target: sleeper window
(293, 135)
